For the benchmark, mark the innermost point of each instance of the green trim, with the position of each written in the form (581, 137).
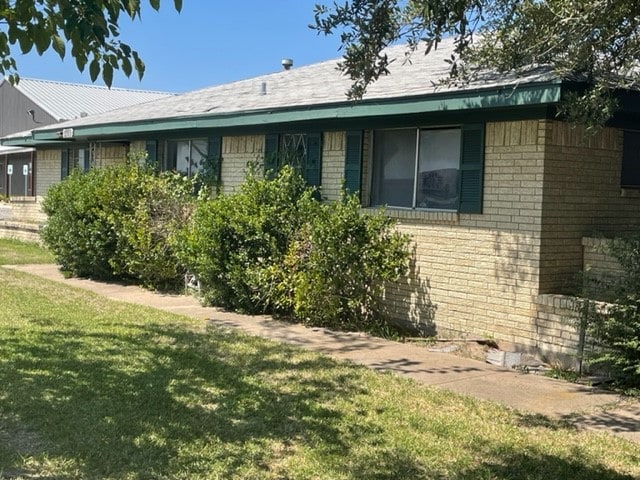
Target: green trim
(499, 97)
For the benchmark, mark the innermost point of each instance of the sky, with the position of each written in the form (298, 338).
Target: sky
(210, 42)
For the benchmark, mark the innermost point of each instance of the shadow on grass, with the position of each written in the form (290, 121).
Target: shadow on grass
(538, 466)
(160, 401)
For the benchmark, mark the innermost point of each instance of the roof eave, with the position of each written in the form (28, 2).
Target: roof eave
(495, 97)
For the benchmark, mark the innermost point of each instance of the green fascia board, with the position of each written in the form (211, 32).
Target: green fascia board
(508, 96)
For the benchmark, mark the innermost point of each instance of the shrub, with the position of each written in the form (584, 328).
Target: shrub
(117, 221)
(272, 248)
(232, 238)
(340, 262)
(617, 333)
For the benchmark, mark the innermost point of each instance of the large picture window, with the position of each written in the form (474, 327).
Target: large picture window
(417, 168)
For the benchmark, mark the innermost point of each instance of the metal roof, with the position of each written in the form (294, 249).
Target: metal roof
(66, 101)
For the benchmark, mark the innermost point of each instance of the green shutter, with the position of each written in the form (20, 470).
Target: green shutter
(152, 152)
(631, 160)
(271, 142)
(214, 154)
(64, 163)
(86, 166)
(471, 169)
(353, 162)
(313, 162)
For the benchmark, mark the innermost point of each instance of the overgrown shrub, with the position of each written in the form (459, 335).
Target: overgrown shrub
(118, 221)
(232, 238)
(617, 332)
(339, 263)
(271, 247)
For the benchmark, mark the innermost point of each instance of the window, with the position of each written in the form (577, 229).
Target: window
(631, 160)
(72, 158)
(302, 151)
(431, 169)
(186, 156)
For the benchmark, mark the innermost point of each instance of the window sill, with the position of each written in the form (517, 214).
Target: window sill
(441, 217)
(630, 192)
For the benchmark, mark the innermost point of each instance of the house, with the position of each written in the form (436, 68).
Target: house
(37, 103)
(500, 197)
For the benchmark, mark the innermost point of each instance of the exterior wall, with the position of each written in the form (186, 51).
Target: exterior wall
(596, 261)
(332, 164)
(47, 170)
(476, 275)
(582, 196)
(237, 152)
(14, 106)
(109, 154)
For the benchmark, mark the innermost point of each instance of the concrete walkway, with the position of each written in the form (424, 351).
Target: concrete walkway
(583, 406)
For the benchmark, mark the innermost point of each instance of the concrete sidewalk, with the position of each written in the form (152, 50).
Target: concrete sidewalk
(583, 406)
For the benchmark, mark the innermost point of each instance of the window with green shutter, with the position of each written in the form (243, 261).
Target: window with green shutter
(74, 158)
(429, 168)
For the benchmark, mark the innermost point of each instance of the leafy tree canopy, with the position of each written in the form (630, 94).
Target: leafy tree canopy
(595, 41)
(88, 27)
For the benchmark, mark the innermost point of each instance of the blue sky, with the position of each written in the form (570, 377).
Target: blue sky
(208, 43)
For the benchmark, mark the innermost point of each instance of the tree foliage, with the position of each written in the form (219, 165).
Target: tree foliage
(595, 41)
(89, 27)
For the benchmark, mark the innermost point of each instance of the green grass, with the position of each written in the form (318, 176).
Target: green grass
(91, 388)
(15, 252)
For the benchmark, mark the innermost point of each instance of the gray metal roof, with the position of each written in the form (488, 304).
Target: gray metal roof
(66, 101)
(310, 86)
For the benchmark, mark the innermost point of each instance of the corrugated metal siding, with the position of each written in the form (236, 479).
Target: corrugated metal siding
(13, 112)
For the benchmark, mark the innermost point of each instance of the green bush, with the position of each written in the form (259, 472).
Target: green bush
(272, 248)
(339, 263)
(617, 331)
(118, 221)
(233, 238)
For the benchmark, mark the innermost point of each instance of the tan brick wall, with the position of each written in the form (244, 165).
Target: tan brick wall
(475, 275)
(237, 153)
(47, 170)
(582, 196)
(597, 261)
(332, 164)
(108, 154)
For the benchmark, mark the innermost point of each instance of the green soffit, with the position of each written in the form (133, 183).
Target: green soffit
(494, 98)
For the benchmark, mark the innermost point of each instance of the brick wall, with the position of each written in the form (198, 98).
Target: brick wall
(107, 154)
(475, 275)
(582, 196)
(332, 164)
(47, 170)
(237, 152)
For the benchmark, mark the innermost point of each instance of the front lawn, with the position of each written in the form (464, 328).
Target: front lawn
(90, 389)
(16, 252)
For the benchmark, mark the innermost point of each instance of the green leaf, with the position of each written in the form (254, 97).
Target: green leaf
(25, 41)
(42, 40)
(139, 65)
(94, 69)
(107, 74)
(58, 45)
(155, 4)
(126, 67)
(178, 5)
